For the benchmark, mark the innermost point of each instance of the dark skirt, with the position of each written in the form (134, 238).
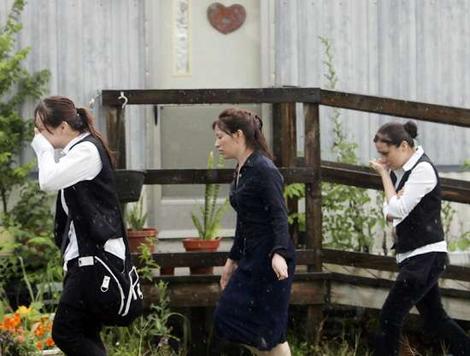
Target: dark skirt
(253, 307)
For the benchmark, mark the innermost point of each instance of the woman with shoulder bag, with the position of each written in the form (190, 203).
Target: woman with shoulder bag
(88, 225)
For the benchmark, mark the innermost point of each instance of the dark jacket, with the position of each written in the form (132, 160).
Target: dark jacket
(94, 207)
(261, 210)
(423, 224)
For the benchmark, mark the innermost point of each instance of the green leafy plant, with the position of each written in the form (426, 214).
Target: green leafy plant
(151, 334)
(447, 216)
(26, 330)
(346, 344)
(136, 217)
(459, 241)
(29, 222)
(349, 216)
(208, 223)
(16, 86)
(146, 263)
(462, 243)
(296, 191)
(30, 225)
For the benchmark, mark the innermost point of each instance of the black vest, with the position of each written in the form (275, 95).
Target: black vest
(94, 208)
(423, 224)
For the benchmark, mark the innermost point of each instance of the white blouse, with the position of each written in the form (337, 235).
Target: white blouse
(421, 181)
(73, 166)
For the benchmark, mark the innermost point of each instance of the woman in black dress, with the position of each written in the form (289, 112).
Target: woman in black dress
(257, 276)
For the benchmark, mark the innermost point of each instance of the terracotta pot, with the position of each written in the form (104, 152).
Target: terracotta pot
(194, 244)
(137, 237)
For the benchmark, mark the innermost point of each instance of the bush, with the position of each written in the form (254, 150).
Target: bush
(350, 217)
(17, 86)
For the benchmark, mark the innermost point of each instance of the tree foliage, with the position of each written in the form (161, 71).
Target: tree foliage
(17, 85)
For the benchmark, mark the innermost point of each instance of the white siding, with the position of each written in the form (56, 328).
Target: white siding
(88, 45)
(407, 49)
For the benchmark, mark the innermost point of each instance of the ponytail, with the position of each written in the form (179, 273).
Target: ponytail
(87, 118)
(260, 140)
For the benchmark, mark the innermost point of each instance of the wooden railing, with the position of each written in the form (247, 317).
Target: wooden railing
(309, 287)
(303, 257)
(452, 189)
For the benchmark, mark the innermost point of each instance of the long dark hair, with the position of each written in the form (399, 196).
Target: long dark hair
(233, 119)
(52, 111)
(394, 133)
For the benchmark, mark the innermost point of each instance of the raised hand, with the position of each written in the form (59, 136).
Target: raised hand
(379, 166)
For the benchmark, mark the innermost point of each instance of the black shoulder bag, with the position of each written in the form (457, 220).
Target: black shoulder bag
(113, 294)
(116, 297)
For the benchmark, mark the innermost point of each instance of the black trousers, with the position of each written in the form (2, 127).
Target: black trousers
(417, 285)
(75, 331)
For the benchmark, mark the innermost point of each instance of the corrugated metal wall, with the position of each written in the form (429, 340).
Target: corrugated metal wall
(409, 49)
(88, 45)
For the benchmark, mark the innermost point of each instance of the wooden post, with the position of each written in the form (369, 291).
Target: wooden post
(313, 218)
(116, 135)
(313, 223)
(285, 148)
(284, 134)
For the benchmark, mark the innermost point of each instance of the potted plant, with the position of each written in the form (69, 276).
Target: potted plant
(208, 221)
(137, 234)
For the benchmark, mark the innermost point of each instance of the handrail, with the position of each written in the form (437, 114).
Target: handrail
(211, 96)
(402, 108)
(367, 103)
(303, 257)
(452, 189)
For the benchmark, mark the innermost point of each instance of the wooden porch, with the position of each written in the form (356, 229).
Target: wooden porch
(324, 277)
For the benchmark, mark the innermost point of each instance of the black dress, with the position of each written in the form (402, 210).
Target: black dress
(253, 307)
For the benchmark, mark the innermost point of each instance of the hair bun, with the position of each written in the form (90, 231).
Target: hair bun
(411, 128)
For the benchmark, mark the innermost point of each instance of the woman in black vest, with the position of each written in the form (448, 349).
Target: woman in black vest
(87, 214)
(413, 206)
(257, 276)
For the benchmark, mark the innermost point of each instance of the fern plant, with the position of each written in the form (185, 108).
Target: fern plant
(208, 222)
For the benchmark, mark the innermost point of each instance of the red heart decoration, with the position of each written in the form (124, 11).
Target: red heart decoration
(226, 19)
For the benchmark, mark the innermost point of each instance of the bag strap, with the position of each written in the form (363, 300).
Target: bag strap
(65, 239)
(65, 236)
(128, 261)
